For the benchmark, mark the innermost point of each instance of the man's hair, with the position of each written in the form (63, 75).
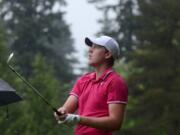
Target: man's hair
(110, 62)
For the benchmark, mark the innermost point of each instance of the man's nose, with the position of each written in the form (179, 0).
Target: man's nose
(90, 49)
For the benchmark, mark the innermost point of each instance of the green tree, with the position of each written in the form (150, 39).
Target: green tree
(43, 50)
(33, 116)
(43, 79)
(155, 71)
(7, 76)
(3, 50)
(34, 27)
(118, 22)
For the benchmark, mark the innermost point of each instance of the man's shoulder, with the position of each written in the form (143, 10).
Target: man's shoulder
(117, 77)
(118, 81)
(86, 76)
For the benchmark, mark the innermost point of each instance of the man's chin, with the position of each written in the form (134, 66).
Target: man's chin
(93, 64)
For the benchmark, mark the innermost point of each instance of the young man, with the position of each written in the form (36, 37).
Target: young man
(99, 97)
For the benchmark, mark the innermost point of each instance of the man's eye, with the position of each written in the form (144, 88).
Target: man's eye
(96, 46)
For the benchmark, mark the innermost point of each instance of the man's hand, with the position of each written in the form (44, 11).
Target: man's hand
(70, 120)
(69, 107)
(62, 111)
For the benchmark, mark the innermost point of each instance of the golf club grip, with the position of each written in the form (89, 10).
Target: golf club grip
(58, 113)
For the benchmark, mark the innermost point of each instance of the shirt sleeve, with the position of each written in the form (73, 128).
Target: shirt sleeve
(117, 92)
(76, 89)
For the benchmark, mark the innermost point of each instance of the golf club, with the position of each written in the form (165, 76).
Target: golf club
(28, 84)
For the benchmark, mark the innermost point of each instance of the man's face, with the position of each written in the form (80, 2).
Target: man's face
(97, 55)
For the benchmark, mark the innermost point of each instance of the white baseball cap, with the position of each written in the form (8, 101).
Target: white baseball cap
(108, 42)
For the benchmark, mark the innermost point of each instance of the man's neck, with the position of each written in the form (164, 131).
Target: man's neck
(100, 70)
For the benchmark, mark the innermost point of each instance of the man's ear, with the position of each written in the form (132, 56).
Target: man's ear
(108, 55)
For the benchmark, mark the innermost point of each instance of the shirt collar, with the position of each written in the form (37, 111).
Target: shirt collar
(103, 76)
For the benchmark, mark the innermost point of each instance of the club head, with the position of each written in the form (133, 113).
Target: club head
(10, 57)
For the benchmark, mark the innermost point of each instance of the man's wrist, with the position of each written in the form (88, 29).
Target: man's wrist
(72, 118)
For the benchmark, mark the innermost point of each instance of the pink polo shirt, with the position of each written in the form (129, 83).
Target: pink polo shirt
(95, 95)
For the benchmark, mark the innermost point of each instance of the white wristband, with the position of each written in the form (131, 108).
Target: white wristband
(72, 119)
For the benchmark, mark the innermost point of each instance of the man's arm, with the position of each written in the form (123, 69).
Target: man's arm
(111, 122)
(70, 105)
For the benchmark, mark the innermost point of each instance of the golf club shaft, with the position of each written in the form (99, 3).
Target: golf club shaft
(34, 89)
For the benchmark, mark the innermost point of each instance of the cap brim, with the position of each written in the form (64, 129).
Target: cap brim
(88, 41)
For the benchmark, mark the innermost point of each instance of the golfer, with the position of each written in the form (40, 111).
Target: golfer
(98, 98)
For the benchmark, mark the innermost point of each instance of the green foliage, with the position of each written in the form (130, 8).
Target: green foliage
(8, 76)
(122, 68)
(3, 49)
(32, 115)
(39, 37)
(118, 22)
(36, 27)
(156, 69)
(43, 79)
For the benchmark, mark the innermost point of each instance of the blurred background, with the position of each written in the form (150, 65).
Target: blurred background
(47, 37)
